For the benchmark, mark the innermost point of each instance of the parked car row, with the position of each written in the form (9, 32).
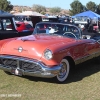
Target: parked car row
(9, 29)
(46, 53)
(51, 50)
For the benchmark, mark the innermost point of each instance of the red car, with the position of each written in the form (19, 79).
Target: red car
(21, 26)
(48, 54)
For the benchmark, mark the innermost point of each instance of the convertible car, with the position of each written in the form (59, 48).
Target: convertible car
(52, 51)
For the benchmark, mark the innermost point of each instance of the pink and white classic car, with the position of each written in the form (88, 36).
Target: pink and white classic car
(51, 51)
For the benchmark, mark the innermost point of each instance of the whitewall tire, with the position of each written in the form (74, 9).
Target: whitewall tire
(64, 72)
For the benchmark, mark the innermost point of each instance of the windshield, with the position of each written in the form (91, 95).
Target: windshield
(60, 29)
(22, 18)
(80, 18)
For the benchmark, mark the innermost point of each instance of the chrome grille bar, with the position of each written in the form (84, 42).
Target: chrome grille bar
(26, 66)
(19, 62)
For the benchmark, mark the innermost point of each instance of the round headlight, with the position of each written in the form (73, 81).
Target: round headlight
(48, 54)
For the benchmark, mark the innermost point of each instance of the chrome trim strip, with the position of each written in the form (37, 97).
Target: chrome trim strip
(88, 57)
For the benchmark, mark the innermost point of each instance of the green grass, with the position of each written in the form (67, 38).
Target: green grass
(83, 84)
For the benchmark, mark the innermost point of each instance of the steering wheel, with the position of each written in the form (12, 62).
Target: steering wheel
(70, 34)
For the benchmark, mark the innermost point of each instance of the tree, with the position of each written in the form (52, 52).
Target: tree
(91, 6)
(76, 7)
(5, 5)
(98, 9)
(55, 10)
(84, 8)
(39, 8)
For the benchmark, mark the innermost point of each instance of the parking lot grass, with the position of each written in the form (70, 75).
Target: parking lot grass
(83, 84)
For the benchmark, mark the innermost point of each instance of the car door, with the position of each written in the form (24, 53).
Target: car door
(86, 49)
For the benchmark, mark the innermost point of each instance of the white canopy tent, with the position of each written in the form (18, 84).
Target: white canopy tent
(29, 13)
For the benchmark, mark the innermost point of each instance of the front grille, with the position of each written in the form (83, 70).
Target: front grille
(9, 62)
(30, 66)
(24, 64)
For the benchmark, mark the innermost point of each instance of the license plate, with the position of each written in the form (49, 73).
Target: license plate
(16, 71)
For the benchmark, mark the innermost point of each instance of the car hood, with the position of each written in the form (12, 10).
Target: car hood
(33, 46)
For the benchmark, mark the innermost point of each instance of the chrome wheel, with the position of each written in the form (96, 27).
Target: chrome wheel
(64, 72)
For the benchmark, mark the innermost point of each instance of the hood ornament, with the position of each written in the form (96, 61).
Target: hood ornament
(20, 49)
(27, 38)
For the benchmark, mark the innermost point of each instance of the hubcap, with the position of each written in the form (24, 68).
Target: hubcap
(63, 71)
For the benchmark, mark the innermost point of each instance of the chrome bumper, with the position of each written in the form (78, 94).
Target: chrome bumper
(45, 71)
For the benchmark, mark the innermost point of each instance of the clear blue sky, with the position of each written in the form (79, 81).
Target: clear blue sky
(64, 4)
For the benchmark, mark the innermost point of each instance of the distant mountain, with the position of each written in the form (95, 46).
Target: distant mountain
(18, 8)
